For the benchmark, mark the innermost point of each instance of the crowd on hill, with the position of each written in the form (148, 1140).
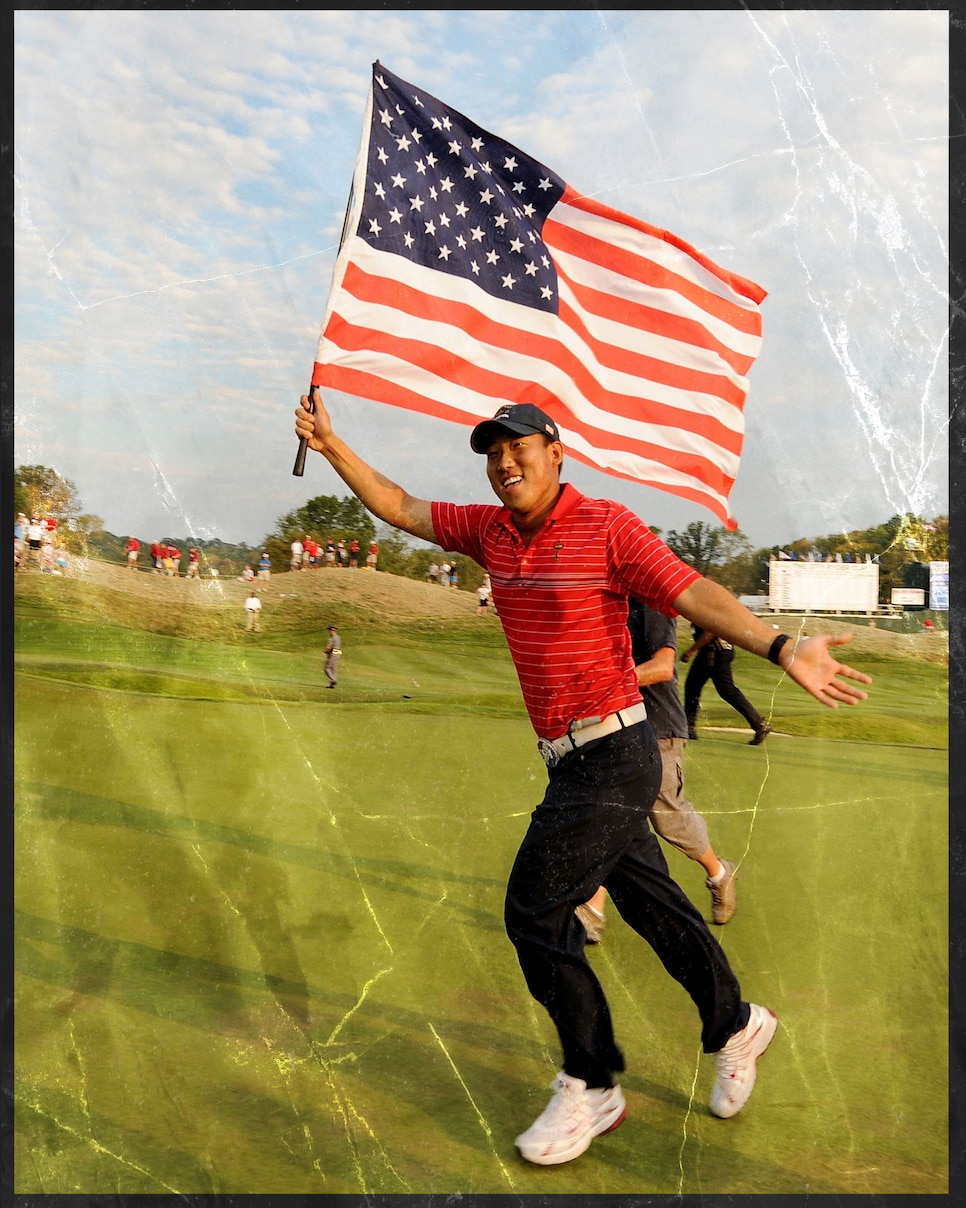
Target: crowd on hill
(308, 554)
(36, 543)
(164, 559)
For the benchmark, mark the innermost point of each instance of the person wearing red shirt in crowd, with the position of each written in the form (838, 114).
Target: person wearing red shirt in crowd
(133, 546)
(194, 569)
(562, 567)
(354, 552)
(157, 563)
(175, 556)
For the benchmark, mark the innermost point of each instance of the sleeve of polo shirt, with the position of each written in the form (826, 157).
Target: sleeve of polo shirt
(460, 528)
(645, 566)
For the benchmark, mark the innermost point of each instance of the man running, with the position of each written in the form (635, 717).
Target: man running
(562, 567)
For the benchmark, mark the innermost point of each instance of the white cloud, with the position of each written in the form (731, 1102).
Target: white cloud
(181, 179)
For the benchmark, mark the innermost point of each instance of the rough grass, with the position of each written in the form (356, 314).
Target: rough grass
(408, 640)
(258, 935)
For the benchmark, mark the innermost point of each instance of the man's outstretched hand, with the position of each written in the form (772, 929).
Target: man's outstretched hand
(810, 664)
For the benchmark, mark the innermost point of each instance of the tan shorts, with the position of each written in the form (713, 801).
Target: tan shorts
(673, 816)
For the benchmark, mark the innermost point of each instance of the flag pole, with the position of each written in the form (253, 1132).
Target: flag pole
(299, 468)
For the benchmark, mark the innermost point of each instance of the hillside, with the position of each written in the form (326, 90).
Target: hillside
(298, 607)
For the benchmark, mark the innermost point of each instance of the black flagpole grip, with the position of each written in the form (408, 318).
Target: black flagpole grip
(299, 468)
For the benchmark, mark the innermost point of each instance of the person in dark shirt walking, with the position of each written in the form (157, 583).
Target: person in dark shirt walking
(713, 656)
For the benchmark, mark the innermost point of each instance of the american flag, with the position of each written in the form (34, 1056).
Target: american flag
(471, 275)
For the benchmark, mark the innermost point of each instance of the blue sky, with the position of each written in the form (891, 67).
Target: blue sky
(181, 179)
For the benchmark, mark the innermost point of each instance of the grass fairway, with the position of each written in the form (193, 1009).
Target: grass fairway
(259, 942)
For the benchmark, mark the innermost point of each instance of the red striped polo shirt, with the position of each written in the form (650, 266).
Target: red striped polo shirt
(563, 599)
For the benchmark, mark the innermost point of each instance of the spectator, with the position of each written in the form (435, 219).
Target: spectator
(432, 575)
(354, 552)
(333, 653)
(253, 606)
(194, 569)
(372, 556)
(35, 537)
(298, 549)
(265, 566)
(133, 546)
(157, 566)
(713, 657)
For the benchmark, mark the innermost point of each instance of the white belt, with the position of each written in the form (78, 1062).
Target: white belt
(586, 730)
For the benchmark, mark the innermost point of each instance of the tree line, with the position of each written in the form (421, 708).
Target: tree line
(903, 546)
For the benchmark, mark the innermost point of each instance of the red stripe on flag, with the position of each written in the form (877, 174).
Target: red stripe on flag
(379, 389)
(649, 320)
(372, 288)
(740, 285)
(693, 494)
(651, 368)
(452, 369)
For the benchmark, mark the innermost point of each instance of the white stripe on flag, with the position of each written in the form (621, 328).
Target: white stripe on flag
(499, 358)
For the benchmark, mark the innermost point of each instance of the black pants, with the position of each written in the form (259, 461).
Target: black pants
(591, 829)
(715, 665)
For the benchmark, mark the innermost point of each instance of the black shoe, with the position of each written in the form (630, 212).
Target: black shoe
(692, 734)
(760, 735)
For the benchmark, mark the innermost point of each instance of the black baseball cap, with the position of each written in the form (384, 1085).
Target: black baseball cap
(519, 418)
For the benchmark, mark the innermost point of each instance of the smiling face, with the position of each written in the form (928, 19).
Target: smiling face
(524, 471)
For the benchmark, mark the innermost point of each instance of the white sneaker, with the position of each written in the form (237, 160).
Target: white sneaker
(737, 1062)
(571, 1120)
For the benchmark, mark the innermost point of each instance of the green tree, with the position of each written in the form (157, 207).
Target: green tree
(41, 489)
(331, 518)
(742, 574)
(324, 518)
(394, 551)
(937, 539)
(699, 545)
(86, 526)
(902, 546)
(724, 555)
